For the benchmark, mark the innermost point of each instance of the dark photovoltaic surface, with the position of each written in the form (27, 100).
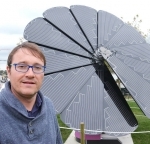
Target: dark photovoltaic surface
(76, 42)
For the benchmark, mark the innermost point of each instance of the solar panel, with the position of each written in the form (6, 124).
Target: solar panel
(77, 43)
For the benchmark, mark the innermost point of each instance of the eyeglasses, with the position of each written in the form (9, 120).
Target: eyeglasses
(24, 68)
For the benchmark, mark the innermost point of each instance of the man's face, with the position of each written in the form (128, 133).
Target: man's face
(25, 84)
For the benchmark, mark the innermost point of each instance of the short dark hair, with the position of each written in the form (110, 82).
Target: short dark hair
(32, 47)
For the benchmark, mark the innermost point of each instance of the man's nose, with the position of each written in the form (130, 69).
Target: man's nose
(30, 72)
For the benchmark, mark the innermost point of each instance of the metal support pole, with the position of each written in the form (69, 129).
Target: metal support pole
(82, 136)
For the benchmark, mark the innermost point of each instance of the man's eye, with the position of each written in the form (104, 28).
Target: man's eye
(37, 67)
(22, 66)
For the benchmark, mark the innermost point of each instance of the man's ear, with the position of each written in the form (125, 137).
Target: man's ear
(8, 69)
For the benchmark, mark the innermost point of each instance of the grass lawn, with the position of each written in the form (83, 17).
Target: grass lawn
(64, 132)
(144, 125)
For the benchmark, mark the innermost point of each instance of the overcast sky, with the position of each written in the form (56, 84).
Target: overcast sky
(16, 14)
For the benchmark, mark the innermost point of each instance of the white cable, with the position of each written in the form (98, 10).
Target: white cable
(105, 131)
(128, 99)
(141, 115)
(135, 107)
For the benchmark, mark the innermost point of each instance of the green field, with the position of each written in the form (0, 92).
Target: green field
(144, 125)
(64, 132)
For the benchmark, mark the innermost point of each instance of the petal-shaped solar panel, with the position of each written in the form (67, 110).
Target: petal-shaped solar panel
(76, 43)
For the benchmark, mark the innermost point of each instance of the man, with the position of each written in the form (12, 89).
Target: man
(26, 116)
